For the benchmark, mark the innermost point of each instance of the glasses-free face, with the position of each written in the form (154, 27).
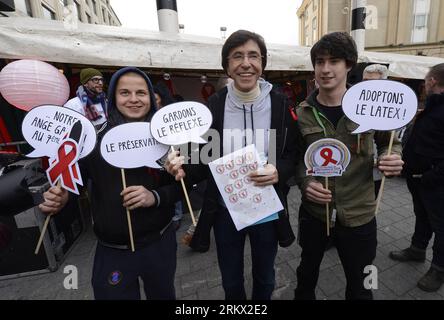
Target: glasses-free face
(331, 72)
(245, 65)
(133, 97)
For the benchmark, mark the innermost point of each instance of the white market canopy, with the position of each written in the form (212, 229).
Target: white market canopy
(56, 41)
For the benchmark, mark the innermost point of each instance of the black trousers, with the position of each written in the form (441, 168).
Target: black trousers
(356, 248)
(116, 272)
(230, 253)
(428, 204)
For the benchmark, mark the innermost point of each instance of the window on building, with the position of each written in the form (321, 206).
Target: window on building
(420, 21)
(64, 3)
(48, 13)
(94, 5)
(315, 29)
(88, 18)
(307, 36)
(315, 5)
(421, 11)
(23, 6)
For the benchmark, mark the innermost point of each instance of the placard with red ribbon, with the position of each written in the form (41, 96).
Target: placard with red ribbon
(64, 167)
(327, 158)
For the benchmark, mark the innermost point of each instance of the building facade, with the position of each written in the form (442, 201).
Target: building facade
(86, 11)
(413, 27)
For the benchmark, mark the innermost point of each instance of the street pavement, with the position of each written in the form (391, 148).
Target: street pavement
(198, 276)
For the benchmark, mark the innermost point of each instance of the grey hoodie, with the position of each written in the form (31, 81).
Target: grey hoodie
(240, 118)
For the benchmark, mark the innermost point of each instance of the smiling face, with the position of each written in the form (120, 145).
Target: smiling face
(133, 97)
(245, 65)
(331, 72)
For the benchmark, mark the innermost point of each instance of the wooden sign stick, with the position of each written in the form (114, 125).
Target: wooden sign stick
(186, 197)
(128, 216)
(378, 202)
(327, 216)
(45, 226)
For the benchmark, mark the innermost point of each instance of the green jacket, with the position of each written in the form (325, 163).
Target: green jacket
(353, 193)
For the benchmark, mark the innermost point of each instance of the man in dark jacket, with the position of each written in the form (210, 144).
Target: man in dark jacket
(424, 170)
(150, 196)
(247, 109)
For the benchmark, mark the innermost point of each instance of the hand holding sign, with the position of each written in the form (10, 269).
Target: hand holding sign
(64, 170)
(327, 158)
(180, 123)
(64, 136)
(129, 146)
(381, 105)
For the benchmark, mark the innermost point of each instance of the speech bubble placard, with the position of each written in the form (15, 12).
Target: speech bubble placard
(181, 122)
(380, 105)
(131, 145)
(45, 127)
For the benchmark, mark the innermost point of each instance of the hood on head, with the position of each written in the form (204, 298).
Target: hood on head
(114, 115)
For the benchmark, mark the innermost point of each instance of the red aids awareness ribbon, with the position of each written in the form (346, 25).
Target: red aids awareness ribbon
(327, 155)
(65, 166)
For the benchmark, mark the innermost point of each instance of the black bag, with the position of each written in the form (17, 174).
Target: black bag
(284, 230)
(15, 196)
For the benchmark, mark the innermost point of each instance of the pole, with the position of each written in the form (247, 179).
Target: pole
(128, 215)
(167, 16)
(358, 23)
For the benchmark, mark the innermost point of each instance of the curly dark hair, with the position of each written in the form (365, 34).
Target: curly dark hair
(338, 45)
(239, 38)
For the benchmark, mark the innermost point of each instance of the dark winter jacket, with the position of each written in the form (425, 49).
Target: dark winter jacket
(109, 215)
(286, 155)
(424, 149)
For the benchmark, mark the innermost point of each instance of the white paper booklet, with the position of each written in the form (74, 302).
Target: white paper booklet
(246, 203)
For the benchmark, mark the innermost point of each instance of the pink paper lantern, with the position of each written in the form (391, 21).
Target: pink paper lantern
(29, 83)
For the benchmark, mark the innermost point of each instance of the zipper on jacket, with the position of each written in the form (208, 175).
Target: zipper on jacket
(285, 141)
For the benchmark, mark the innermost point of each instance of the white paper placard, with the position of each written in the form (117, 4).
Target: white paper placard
(44, 128)
(380, 105)
(246, 203)
(131, 145)
(181, 122)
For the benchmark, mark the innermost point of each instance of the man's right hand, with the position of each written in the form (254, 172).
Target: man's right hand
(315, 192)
(173, 165)
(55, 199)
